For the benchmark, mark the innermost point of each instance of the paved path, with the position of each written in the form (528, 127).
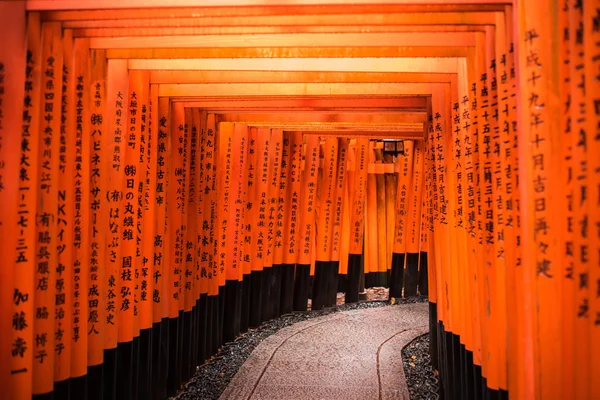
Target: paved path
(348, 355)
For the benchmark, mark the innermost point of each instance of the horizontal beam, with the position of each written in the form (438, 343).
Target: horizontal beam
(306, 40)
(294, 89)
(310, 103)
(393, 65)
(339, 127)
(162, 21)
(299, 52)
(398, 117)
(253, 30)
(197, 76)
(122, 4)
(255, 10)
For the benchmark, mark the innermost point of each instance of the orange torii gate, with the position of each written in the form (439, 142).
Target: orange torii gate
(121, 131)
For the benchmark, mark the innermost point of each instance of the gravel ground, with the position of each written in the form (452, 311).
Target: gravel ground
(214, 376)
(422, 382)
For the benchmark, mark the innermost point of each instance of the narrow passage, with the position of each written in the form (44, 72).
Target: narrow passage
(349, 355)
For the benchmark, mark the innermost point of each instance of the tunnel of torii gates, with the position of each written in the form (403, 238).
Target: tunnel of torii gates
(175, 172)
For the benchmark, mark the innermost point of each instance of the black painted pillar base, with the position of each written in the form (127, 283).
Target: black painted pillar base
(62, 390)
(202, 325)
(231, 311)
(460, 378)
(265, 307)
(397, 275)
(160, 358)
(125, 370)
(287, 289)
(256, 284)
(319, 297)
(110, 374)
(95, 381)
(342, 283)
(275, 307)
(245, 304)
(353, 278)
(79, 387)
(301, 287)
(332, 284)
(145, 364)
(186, 346)
(237, 323)
(220, 316)
(173, 380)
(411, 275)
(423, 275)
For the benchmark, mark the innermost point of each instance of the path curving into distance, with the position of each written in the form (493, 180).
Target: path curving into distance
(349, 355)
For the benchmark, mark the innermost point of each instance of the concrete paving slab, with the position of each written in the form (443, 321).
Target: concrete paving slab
(348, 355)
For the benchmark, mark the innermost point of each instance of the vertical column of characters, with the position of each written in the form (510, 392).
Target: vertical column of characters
(459, 87)
(565, 220)
(581, 196)
(292, 233)
(239, 185)
(174, 199)
(391, 189)
(199, 118)
(509, 170)
(515, 208)
(282, 200)
(65, 215)
(119, 277)
(224, 172)
(273, 197)
(98, 320)
(538, 127)
(435, 213)
(160, 273)
(478, 121)
(121, 273)
(191, 229)
(196, 214)
(135, 154)
(211, 160)
(141, 79)
(308, 200)
(426, 267)
(479, 270)
(47, 209)
(468, 147)
(485, 121)
(250, 207)
(20, 70)
(272, 218)
(405, 176)
(413, 220)
(357, 219)
(85, 296)
(338, 201)
(263, 178)
(591, 36)
(440, 124)
(182, 207)
(495, 46)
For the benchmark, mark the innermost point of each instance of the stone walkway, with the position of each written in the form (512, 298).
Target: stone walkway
(348, 355)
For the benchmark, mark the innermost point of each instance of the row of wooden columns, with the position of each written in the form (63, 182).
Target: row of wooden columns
(509, 181)
(148, 234)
